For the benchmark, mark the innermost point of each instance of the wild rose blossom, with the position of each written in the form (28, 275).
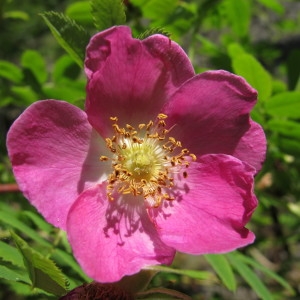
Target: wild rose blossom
(160, 160)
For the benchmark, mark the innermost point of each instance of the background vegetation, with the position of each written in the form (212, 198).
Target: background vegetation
(258, 39)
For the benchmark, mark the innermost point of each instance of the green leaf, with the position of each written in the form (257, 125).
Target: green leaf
(162, 293)
(25, 95)
(15, 223)
(43, 272)
(26, 291)
(13, 274)
(279, 86)
(7, 100)
(10, 254)
(68, 260)
(248, 67)
(108, 13)
(201, 275)
(222, 267)
(137, 282)
(69, 91)
(285, 127)
(152, 31)
(289, 146)
(207, 46)
(235, 49)
(34, 61)
(182, 18)
(65, 69)
(275, 5)
(80, 12)
(10, 72)
(37, 220)
(239, 14)
(250, 277)
(267, 271)
(293, 68)
(71, 36)
(16, 14)
(294, 208)
(286, 104)
(156, 9)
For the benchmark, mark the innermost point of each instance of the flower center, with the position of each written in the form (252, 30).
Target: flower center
(145, 160)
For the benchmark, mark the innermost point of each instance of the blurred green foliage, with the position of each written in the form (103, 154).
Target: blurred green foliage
(257, 39)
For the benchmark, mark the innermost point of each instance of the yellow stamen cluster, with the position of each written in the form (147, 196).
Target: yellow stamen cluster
(144, 160)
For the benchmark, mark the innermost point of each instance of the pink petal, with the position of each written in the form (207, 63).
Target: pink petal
(130, 78)
(252, 146)
(211, 113)
(111, 239)
(173, 56)
(211, 208)
(55, 156)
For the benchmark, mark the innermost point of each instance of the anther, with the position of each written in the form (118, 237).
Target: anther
(129, 127)
(161, 116)
(103, 158)
(162, 123)
(149, 125)
(143, 160)
(135, 139)
(110, 197)
(193, 156)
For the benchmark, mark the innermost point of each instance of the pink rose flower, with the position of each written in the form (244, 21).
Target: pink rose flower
(160, 160)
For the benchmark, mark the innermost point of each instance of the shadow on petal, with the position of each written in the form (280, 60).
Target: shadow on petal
(93, 170)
